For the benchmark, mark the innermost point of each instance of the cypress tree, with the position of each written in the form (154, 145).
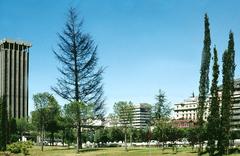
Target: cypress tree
(223, 141)
(228, 89)
(3, 124)
(214, 116)
(204, 79)
(232, 62)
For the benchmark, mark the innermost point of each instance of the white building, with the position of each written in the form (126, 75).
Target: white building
(187, 109)
(141, 115)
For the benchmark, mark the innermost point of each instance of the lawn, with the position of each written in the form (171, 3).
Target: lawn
(60, 151)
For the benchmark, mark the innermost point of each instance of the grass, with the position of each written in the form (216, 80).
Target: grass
(138, 151)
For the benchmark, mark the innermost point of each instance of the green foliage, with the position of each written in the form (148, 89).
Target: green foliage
(213, 125)
(124, 111)
(3, 124)
(18, 147)
(204, 78)
(161, 108)
(160, 131)
(101, 135)
(227, 91)
(115, 134)
(192, 136)
(13, 136)
(22, 126)
(45, 116)
(204, 72)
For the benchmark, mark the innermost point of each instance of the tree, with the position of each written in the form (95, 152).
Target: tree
(53, 116)
(227, 92)
(161, 108)
(12, 131)
(124, 111)
(77, 113)
(192, 136)
(81, 79)
(3, 123)
(213, 124)
(231, 50)
(22, 126)
(160, 132)
(101, 135)
(43, 102)
(204, 79)
(115, 134)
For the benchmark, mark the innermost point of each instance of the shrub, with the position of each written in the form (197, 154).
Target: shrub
(18, 147)
(14, 147)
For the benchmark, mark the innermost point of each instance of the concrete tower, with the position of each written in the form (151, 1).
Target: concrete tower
(14, 69)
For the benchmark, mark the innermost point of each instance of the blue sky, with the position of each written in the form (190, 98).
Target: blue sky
(145, 45)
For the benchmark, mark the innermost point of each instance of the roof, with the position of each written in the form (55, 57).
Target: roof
(236, 84)
(15, 41)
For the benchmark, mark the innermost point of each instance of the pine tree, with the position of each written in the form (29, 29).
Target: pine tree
(81, 77)
(204, 79)
(214, 116)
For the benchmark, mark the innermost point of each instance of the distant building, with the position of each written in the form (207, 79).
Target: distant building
(235, 118)
(14, 70)
(141, 115)
(187, 110)
(183, 123)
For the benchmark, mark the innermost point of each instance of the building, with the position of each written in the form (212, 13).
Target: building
(187, 110)
(235, 118)
(181, 123)
(141, 115)
(14, 70)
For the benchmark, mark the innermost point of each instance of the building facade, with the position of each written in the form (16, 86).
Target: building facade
(187, 109)
(235, 118)
(14, 71)
(141, 115)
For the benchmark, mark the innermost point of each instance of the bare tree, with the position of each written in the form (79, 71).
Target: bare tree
(81, 78)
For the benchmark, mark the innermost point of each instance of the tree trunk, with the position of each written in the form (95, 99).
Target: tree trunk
(125, 139)
(131, 137)
(78, 139)
(63, 138)
(42, 138)
(200, 149)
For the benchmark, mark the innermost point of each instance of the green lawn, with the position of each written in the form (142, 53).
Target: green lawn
(60, 151)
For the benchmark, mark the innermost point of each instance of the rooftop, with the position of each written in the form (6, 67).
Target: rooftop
(15, 41)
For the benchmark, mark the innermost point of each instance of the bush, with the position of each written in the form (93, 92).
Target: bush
(14, 147)
(18, 147)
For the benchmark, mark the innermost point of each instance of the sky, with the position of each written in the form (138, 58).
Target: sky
(145, 45)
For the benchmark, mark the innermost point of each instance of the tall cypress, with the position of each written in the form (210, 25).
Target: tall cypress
(204, 72)
(214, 116)
(227, 92)
(232, 62)
(204, 79)
(223, 142)
(3, 124)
